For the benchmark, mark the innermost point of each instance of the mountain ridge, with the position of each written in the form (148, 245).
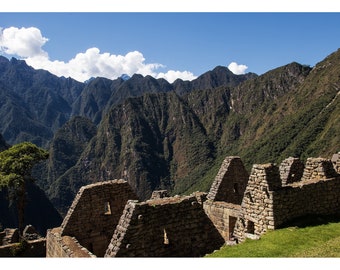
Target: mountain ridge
(183, 135)
(36, 103)
(158, 135)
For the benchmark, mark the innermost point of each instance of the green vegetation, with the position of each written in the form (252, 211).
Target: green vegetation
(16, 165)
(18, 248)
(178, 142)
(319, 241)
(159, 135)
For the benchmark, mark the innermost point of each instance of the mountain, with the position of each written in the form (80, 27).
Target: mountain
(304, 122)
(176, 140)
(219, 76)
(3, 144)
(35, 103)
(67, 145)
(100, 94)
(143, 140)
(125, 77)
(158, 135)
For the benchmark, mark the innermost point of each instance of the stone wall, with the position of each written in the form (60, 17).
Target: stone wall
(225, 196)
(95, 212)
(34, 248)
(291, 170)
(230, 182)
(105, 218)
(318, 168)
(64, 246)
(256, 215)
(223, 215)
(9, 236)
(267, 203)
(336, 162)
(167, 227)
(312, 198)
(31, 244)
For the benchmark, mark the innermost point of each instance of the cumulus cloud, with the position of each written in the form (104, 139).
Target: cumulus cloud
(27, 43)
(237, 69)
(24, 42)
(93, 63)
(172, 75)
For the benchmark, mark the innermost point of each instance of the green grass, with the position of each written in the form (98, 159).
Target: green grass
(321, 241)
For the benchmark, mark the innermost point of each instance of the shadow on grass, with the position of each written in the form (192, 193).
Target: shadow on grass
(310, 220)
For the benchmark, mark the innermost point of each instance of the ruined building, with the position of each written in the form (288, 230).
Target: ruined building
(107, 220)
(34, 244)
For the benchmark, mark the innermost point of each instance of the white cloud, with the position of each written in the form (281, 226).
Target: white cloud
(24, 42)
(172, 75)
(27, 44)
(237, 69)
(93, 63)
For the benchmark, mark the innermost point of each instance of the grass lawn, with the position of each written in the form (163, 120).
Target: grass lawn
(314, 241)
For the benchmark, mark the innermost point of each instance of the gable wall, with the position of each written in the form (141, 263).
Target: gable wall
(87, 219)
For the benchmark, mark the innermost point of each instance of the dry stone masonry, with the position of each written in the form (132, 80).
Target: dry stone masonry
(291, 170)
(166, 227)
(318, 168)
(230, 182)
(95, 213)
(35, 245)
(336, 162)
(107, 220)
(268, 203)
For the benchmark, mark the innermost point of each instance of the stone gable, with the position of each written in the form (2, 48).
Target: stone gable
(95, 213)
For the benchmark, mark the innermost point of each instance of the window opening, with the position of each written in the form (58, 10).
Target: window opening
(107, 209)
(235, 188)
(166, 240)
(250, 227)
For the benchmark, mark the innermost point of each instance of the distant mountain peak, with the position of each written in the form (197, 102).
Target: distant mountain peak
(89, 80)
(3, 59)
(222, 69)
(125, 77)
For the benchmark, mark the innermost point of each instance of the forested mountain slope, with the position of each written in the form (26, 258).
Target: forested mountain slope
(174, 136)
(172, 141)
(34, 104)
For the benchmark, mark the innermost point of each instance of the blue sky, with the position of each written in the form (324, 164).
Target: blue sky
(169, 45)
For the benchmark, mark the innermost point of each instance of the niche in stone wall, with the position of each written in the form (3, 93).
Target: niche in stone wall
(250, 227)
(107, 208)
(249, 196)
(232, 222)
(235, 189)
(166, 239)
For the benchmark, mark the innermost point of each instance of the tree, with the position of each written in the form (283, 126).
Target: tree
(16, 165)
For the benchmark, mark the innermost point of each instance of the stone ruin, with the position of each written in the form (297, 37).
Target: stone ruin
(107, 220)
(10, 239)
